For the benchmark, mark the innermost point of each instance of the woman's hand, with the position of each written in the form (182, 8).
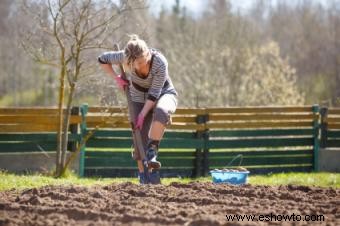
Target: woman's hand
(121, 83)
(140, 121)
(146, 109)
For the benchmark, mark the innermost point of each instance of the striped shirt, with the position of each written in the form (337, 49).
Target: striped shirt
(154, 85)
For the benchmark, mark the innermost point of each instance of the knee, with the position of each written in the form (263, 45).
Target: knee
(161, 115)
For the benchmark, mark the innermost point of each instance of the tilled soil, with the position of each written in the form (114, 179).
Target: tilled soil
(177, 204)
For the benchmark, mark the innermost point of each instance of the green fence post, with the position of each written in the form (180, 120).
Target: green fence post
(206, 150)
(83, 131)
(323, 127)
(316, 127)
(72, 145)
(200, 119)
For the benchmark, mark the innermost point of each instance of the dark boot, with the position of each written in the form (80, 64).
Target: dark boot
(143, 179)
(154, 177)
(151, 156)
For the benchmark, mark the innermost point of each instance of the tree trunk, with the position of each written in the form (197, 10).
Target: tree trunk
(65, 127)
(60, 125)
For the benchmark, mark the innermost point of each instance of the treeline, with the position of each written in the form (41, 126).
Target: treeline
(274, 53)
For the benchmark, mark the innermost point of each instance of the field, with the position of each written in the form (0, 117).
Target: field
(175, 203)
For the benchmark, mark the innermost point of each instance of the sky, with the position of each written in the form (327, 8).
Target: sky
(195, 7)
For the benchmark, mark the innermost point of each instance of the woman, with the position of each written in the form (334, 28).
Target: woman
(152, 93)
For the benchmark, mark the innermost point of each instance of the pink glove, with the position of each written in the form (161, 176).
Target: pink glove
(139, 121)
(121, 83)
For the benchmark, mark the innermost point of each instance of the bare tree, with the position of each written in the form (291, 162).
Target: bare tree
(334, 50)
(64, 42)
(220, 60)
(13, 78)
(308, 34)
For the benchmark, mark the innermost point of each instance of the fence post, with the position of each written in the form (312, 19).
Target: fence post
(206, 149)
(200, 119)
(72, 145)
(323, 127)
(83, 131)
(316, 128)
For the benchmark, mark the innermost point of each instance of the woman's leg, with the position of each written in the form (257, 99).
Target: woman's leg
(165, 106)
(157, 130)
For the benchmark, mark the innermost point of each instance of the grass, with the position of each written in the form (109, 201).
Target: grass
(321, 179)
(20, 182)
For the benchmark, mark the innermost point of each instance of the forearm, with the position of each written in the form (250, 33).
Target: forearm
(147, 107)
(108, 69)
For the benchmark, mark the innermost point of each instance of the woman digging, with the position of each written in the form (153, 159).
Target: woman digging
(152, 93)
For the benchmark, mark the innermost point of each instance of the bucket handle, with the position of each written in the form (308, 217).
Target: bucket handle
(236, 157)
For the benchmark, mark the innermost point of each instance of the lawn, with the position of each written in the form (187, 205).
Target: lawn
(10, 181)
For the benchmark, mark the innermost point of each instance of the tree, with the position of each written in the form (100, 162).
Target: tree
(266, 78)
(13, 78)
(308, 34)
(334, 50)
(64, 40)
(219, 60)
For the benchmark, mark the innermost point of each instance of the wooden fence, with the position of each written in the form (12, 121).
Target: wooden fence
(269, 139)
(330, 128)
(108, 151)
(33, 130)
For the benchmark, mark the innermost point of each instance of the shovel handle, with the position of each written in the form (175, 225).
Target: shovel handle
(122, 71)
(136, 135)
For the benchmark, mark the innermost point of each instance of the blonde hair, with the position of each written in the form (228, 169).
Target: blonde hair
(135, 48)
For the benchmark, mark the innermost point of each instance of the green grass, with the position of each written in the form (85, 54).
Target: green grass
(10, 181)
(309, 179)
(20, 182)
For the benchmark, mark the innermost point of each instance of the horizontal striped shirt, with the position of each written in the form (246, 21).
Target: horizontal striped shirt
(157, 82)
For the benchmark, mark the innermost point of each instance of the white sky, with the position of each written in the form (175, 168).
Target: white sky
(197, 6)
(194, 6)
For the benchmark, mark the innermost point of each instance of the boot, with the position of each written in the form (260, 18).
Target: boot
(143, 179)
(154, 177)
(151, 156)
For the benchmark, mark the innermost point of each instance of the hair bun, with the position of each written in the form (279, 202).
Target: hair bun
(134, 37)
(135, 48)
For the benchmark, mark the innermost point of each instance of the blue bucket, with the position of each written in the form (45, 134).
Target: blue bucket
(231, 177)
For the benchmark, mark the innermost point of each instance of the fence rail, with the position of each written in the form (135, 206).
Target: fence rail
(270, 139)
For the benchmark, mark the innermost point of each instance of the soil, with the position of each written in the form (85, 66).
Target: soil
(195, 203)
